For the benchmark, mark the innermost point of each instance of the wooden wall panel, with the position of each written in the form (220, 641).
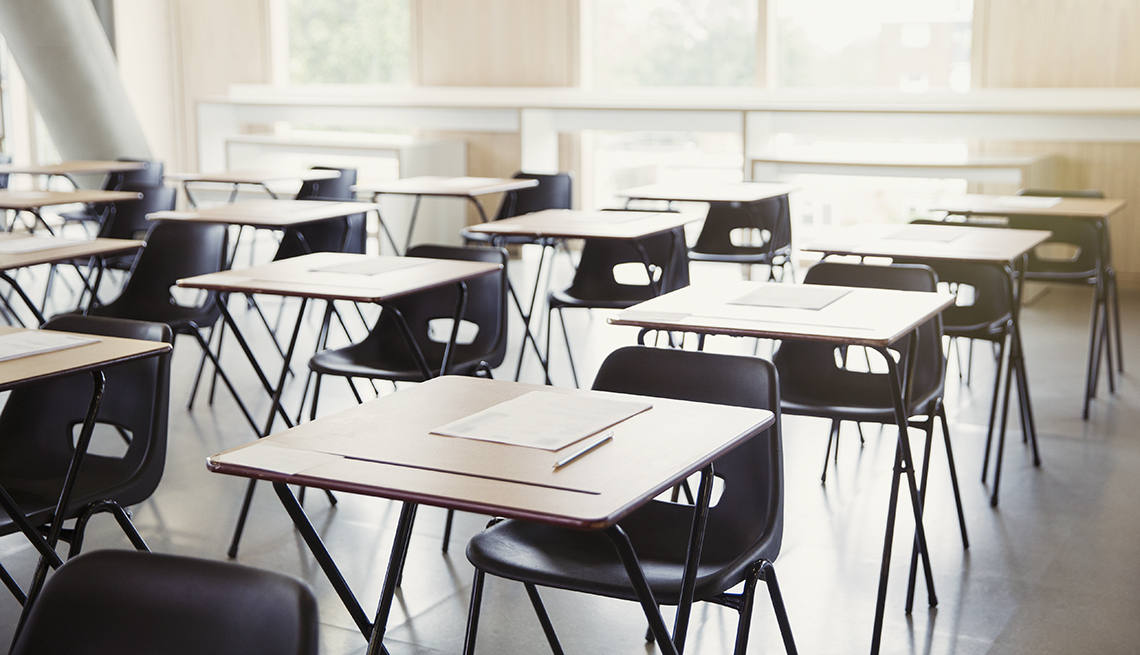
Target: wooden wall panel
(495, 43)
(1070, 43)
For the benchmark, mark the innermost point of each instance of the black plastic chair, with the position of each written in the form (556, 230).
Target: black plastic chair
(384, 354)
(5, 158)
(821, 380)
(346, 234)
(554, 191)
(664, 262)
(39, 422)
(745, 526)
(127, 602)
(765, 227)
(127, 218)
(1088, 262)
(147, 177)
(177, 250)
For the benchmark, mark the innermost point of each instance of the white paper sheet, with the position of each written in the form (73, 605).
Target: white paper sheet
(34, 342)
(792, 296)
(941, 233)
(370, 266)
(544, 420)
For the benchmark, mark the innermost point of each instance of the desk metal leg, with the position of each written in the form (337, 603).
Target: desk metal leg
(528, 314)
(392, 577)
(904, 465)
(412, 224)
(58, 517)
(23, 296)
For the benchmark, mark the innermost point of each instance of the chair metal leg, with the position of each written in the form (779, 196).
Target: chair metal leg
(1002, 365)
(122, 517)
(953, 474)
(768, 573)
(1114, 299)
(832, 435)
(544, 619)
(473, 612)
(447, 529)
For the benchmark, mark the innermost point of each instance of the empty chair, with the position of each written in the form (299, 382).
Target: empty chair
(39, 423)
(745, 526)
(554, 191)
(176, 250)
(127, 602)
(821, 380)
(747, 233)
(346, 234)
(384, 353)
(127, 218)
(657, 265)
(147, 177)
(1080, 252)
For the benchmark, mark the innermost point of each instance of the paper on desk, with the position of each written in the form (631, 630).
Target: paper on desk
(542, 419)
(33, 244)
(943, 233)
(792, 296)
(1027, 202)
(269, 457)
(370, 265)
(34, 342)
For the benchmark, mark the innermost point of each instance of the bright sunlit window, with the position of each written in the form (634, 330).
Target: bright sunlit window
(349, 41)
(674, 42)
(887, 44)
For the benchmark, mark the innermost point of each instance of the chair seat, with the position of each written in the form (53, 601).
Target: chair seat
(99, 478)
(763, 258)
(585, 560)
(562, 298)
(878, 407)
(365, 360)
(994, 331)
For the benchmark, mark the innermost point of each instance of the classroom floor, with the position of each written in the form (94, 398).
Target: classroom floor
(1055, 569)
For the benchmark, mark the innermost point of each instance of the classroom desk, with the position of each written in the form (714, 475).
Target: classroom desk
(1098, 211)
(34, 201)
(406, 462)
(875, 318)
(256, 178)
(23, 250)
(68, 169)
(730, 192)
(273, 214)
(548, 226)
(387, 278)
(89, 358)
(958, 243)
(469, 188)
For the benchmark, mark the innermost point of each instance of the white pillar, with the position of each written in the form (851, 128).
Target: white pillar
(70, 70)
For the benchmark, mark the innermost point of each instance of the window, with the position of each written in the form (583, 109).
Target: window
(349, 41)
(901, 44)
(673, 42)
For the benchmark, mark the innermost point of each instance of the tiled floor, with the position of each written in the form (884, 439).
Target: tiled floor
(1056, 569)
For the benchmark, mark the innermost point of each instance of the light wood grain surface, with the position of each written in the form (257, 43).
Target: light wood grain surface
(109, 350)
(66, 250)
(436, 185)
(987, 205)
(301, 277)
(269, 214)
(944, 242)
(385, 448)
(576, 224)
(27, 200)
(729, 192)
(74, 167)
(865, 317)
(257, 176)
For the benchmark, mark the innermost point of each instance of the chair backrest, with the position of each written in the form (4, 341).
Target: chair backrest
(554, 191)
(136, 602)
(346, 234)
(41, 421)
(770, 221)
(984, 291)
(127, 218)
(174, 250)
(814, 366)
(429, 313)
(748, 516)
(149, 176)
(596, 277)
